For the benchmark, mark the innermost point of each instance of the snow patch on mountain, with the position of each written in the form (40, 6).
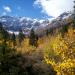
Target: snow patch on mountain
(15, 24)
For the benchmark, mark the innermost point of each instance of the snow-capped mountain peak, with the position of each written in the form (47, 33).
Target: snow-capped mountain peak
(15, 24)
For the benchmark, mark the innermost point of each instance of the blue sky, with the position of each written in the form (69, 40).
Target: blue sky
(20, 8)
(35, 8)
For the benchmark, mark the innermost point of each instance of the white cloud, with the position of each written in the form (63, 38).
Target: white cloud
(54, 7)
(7, 9)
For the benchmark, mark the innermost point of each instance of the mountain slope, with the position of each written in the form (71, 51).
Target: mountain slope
(14, 24)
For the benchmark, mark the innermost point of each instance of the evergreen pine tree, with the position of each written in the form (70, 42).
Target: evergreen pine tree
(3, 34)
(51, 31)
(13, 39)
(47, 32)
(64, 29)
(21, 36)
(33, 38)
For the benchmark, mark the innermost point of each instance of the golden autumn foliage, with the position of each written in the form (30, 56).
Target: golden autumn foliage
(60, 52)
(55, 50)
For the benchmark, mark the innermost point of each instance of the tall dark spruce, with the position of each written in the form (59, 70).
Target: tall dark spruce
(33, 39)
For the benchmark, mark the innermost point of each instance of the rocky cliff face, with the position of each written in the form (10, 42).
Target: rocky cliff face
(14, 24)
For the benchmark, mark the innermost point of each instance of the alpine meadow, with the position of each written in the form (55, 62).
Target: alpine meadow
(37, 37)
